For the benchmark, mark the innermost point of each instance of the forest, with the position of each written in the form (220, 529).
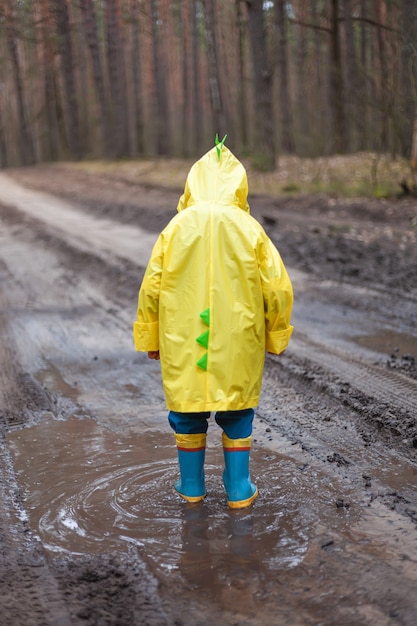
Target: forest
(114, 79)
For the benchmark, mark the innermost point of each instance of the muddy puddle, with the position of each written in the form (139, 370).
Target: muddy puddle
(87, 490)
(388, 342)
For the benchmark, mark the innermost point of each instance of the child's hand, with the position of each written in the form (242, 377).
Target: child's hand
(154, 354)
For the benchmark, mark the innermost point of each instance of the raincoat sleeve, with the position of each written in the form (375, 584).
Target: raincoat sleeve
(278, 298)
(146, 326)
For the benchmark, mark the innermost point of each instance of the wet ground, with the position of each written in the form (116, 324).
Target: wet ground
(91, 532)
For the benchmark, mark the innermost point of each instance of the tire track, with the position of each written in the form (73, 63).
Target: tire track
(386, 386)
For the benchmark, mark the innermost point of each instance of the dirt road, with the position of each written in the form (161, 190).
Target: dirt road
(90, 529)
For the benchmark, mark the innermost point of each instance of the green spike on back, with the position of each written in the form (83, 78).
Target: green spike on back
(203, 339)
(219, 145)
(203, 362)
(205, 316)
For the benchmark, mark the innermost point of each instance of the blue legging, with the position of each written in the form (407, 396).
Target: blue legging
(236, 424)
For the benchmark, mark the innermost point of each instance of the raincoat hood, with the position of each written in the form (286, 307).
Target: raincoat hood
(220, 180)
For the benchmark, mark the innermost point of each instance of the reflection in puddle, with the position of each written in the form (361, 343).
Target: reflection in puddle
(88, 490)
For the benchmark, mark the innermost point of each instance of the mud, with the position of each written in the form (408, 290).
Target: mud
(91, 530)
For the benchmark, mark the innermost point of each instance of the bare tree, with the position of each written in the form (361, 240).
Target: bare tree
(384, 94)
(287, 133)
(217, 101)
(195, 88)
(407, 105)
(264, 150)
(81, 65)
(336, 81)
(363, 80)
(243, 125)
(3, 147)
(161, 99)
(26, 147)
(351, 82)
(320, 130)
(48, 128)
(117, 76)
(60, 14)
(301, 82)
(184, 31)
(91, 31)
(137, 81)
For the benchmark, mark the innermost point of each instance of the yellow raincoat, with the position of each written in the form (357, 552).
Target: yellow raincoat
(215, 294)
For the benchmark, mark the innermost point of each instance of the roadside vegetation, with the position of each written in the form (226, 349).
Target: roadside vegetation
(359, 175)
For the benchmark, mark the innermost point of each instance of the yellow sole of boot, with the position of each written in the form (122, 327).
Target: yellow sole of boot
(241, 504)
(191, 498)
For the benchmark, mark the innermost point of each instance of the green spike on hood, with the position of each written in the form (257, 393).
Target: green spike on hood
(219, 145)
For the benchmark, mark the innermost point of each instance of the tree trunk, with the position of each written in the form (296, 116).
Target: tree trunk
(196, 115)
(161, 99)
(81, 54)
(90, 25)
(264, 151)
(48, 132)
(414, 145)
(384, 93)
(136, 61)
(243, 125)
(219, 116)
(117, 77)
(184, 34)
(301, 64)
(287, 136)
(320, 134)
(26, 147)
(363, 82)
(59, 10)
(351, 77)
(407, 106)
(4, 161)
(336, 85)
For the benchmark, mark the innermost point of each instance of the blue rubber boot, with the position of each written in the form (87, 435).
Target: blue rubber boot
(241, 492)
(191, 452)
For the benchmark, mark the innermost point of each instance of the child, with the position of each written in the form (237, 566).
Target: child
(214, 297)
